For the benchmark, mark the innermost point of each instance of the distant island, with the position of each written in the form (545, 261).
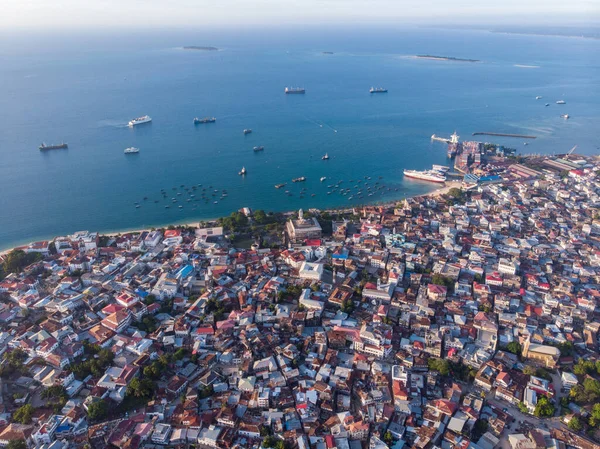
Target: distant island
(195, 47)
(445, 58)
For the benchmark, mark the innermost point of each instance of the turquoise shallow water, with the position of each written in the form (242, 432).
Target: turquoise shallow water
(84, 88)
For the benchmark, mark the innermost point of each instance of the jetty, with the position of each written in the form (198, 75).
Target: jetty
(520, 136)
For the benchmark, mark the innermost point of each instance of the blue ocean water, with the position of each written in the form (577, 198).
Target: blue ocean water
(84, 88)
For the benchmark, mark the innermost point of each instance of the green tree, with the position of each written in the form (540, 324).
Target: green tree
(149, 300)
(23, 414)
(440, 365)
(544, 408)
(584, 367)
(97, 410)
(141, 388)
(260, 217)
(575, 424)
(480, 427)
(514, 347)
(439, 279)
(180, 354)
(388, 438)
(206, 392)
(594, 420)
(348, 306)
(566, 348)
(16, 444)
(591, 388)
(271, 441)
(13, 363)
(16, 260)
(522, 407)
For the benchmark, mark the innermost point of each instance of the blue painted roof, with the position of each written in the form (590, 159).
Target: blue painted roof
(184, 271)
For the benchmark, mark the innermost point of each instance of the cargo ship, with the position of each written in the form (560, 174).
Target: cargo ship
(300, 179)
(247, 131)
(561, 102)
(140, 120)
(294, 90)
(60, 146)
(204, 120)
(426, 175)
(279, 186)
(131, 150)
(453, 138)
(377, 90)
(258, 148)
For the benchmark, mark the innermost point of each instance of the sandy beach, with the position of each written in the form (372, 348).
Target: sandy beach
(438, 192)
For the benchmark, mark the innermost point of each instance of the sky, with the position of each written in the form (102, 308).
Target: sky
(77, 14)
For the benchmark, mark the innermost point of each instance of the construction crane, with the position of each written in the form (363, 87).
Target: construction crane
(572, 149)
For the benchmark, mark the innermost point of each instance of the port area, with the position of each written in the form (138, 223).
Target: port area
(520, 136)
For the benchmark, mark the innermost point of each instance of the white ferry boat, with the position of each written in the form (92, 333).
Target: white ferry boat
(131, 150)
(294, 90)
(426, 175)
(140, 120)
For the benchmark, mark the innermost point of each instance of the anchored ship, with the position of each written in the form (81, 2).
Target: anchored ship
(377, 90)
(204, 120)
(426, 175)
(258, 148)
(242, 172)
(440, 168)
(247, 131)
(140, 120)
(61, 146)
(565, 116)
(279, 186)
(295, 90)
(323, 178)
(131, 150)
(561, 102)
(326, 157)
(300, 179)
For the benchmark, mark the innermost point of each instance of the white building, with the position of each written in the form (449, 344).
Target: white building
(161, 433)
(313, 271)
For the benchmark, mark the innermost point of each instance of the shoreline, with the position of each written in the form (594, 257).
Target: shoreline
(437, 192)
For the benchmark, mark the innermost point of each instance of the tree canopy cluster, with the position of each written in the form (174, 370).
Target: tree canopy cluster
(16, 260)
(439, 279)
(56, 397)
(97, 410)
(98, 359)
(234, 222)
(143, 388)
(584, 367)
(544, 408)
(514, 347)
(23, 414)
(13, 363)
